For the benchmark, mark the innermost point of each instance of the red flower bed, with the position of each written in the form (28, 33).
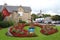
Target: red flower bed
(39, 25)
(19, 34)
(18, 30)
(48, 32)
(52, 31)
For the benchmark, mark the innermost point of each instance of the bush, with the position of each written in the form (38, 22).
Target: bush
(20, 21)
(1, 17)
(27, 24)
(5, 24)
(11, 23)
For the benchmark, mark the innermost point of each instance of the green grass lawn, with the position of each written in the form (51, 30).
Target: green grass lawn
(55, 36)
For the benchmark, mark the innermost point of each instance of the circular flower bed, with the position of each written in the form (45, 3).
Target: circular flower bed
(18, 31)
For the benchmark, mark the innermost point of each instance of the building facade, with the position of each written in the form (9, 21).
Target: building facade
(25, 13)
(18, 13)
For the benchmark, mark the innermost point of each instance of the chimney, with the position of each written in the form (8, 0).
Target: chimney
(5, 4)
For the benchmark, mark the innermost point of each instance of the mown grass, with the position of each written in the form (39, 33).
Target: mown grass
(55, 36)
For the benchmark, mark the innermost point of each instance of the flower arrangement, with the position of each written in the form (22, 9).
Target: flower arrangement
(48, 29)
(17, 30)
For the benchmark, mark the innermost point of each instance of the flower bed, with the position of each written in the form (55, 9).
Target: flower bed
(48, 32)
(48, 29)
(18, 31)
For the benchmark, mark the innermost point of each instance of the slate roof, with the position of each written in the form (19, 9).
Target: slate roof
(26, 9)
(15, 8)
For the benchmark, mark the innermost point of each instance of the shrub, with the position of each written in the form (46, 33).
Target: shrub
(20, 21)
(11, 23)
(27, 24)
(5, 24)
(1, 17)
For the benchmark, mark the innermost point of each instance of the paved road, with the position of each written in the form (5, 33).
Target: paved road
(53, 24)
(57, 24)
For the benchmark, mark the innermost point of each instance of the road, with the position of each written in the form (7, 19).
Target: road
(53, 24)
(57, 24)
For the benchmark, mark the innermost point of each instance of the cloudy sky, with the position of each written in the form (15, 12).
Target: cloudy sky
(47, 6)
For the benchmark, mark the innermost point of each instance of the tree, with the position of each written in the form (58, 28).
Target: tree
(46, 15)
(56, 18)
(34, 16)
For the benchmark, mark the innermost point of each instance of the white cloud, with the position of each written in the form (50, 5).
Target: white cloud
(51, 13)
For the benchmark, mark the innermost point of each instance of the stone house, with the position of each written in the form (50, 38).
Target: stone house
(18, 13)
(25, 13)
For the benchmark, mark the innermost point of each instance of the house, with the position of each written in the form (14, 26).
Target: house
(23, 12)
(40, 14)
(13, 17)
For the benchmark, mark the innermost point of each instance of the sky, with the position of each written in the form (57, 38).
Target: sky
(47, 6)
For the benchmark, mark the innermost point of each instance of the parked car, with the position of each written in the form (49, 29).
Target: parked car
(53, 22)
(48, 21)
(39, 20)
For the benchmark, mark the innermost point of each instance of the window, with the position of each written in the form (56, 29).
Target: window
(21, 13)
